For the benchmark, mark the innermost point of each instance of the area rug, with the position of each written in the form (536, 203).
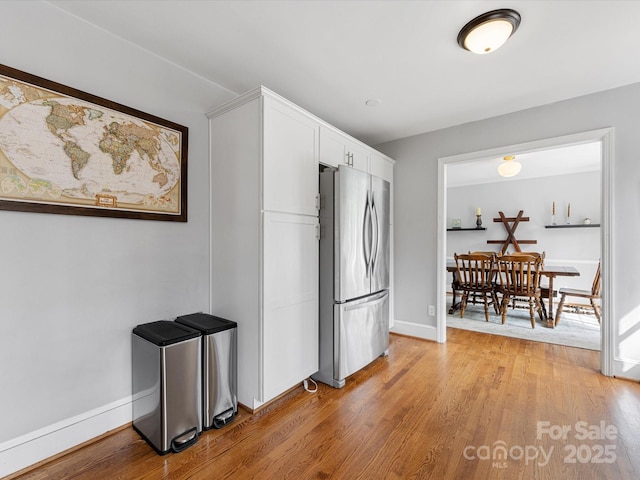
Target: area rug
(574, 330)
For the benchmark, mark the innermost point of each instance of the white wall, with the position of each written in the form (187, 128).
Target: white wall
(578, 247)
(72, 288)
(416, 186)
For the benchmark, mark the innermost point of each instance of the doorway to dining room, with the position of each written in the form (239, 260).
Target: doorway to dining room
(561, 182)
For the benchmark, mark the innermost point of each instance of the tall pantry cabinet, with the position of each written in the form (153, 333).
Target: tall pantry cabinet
(265, 159)
(264, 244)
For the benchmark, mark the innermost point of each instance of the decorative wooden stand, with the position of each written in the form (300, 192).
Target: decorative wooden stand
(511, 230)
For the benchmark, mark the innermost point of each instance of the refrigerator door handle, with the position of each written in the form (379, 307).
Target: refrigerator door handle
(371, 300)
(366, 236)
(375, 228)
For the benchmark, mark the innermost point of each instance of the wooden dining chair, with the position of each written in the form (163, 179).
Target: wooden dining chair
(493, 255)
(519, 281)
(592, 295)
(476, 278)
(544, 289)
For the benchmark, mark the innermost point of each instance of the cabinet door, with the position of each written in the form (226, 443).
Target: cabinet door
(290, 286)
(338, 149)
(381, 167)
(359, 156)
(332, 148)
(290, 149)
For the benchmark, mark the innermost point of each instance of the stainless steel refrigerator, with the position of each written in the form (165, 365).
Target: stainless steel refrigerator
(354, 272)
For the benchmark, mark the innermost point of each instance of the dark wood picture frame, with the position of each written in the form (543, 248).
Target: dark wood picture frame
(121, 146)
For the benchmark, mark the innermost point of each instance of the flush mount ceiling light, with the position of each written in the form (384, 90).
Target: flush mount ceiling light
(509, 168)
(489, 31)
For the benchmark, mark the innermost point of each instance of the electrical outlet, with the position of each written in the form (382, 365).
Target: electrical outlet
(432, 310)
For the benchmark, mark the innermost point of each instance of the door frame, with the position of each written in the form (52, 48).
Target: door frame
(605, 137)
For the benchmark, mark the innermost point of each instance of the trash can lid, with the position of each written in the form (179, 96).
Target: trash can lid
(164, 332)
(206, 323)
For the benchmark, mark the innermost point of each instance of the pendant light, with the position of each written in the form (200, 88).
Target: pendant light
(489, 31)
(509, 168)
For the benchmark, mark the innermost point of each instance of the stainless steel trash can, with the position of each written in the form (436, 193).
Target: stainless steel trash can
(219, 367)
(166, 377)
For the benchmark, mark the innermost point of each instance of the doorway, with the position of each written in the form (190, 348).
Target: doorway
(604, 138)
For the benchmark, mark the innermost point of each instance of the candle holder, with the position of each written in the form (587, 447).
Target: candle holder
(479, 221)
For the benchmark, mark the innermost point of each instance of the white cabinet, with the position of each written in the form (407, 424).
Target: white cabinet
(290, 159)
(338, 149)
(291, 330)
(264, 250)
(381, 167)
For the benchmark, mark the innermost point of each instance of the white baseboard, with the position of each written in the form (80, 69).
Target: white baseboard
(624, 368)
(428, 332)
(33, 447)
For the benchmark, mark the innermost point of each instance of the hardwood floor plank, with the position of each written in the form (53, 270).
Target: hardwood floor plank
(427, 411)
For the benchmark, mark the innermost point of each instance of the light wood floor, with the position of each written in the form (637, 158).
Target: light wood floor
(426, 411)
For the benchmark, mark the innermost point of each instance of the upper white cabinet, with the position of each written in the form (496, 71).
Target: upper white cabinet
(290, 159)
(381, 166)
(338, 149)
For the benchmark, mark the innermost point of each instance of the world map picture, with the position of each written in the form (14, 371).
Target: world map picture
(78, 154)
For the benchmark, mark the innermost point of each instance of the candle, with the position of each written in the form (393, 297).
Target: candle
(553, 209)
(568, 210)
(478, 211)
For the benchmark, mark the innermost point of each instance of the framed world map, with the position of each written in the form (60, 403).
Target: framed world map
(70, 152)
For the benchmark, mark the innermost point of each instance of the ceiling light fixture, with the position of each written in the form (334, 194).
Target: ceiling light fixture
(509, 168)
(489, 31)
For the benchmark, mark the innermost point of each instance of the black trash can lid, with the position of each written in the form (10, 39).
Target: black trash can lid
(164, 332)
(206, 323)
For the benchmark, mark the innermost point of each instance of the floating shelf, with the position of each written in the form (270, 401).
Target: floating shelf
(589, 225)
(465, 229)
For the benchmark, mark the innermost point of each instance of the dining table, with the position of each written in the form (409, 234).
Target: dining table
(548, 271)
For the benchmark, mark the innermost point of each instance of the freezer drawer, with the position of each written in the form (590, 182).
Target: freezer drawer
(362, 333)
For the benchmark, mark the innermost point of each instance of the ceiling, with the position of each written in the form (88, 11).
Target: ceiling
(330, 57)
(567, 160)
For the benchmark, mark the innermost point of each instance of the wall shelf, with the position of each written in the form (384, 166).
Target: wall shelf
(589, 225)
(465, 229)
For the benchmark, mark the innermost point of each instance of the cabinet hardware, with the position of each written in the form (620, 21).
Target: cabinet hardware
(349, 161)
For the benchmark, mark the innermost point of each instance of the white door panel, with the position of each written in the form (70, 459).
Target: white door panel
(290, 160)
(291, 329)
